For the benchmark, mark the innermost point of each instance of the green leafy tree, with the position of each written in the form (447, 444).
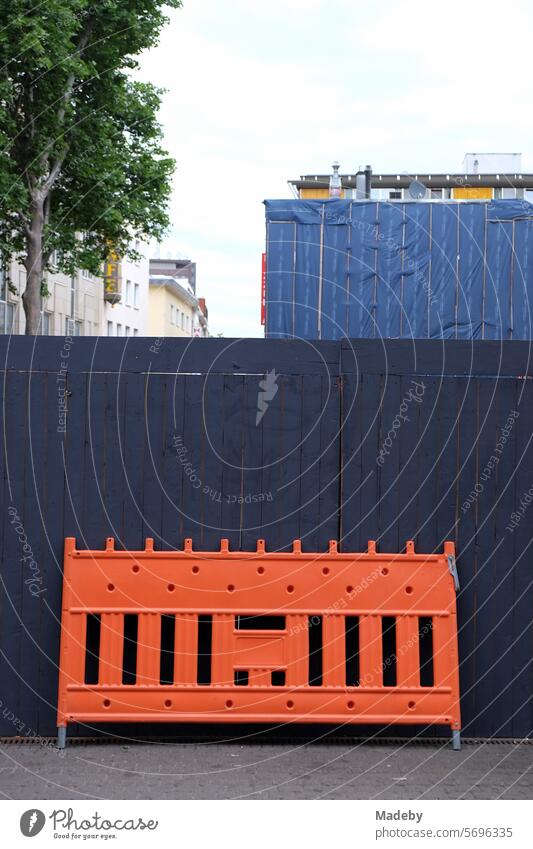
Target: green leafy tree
(79, 138)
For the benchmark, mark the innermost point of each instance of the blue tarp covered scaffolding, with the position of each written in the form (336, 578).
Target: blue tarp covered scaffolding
(414, 269)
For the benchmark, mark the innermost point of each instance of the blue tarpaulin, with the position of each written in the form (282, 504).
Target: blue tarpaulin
(414, 269)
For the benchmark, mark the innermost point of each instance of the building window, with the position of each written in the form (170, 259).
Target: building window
(109, 328)
(126, 331)
(128, 293)
(7, 310)
(183, 321)
(72, 327)
(172, 313)
(436, 194)
(72, 297)
(136, 295)
(7, 314)
(119, 330)
(44, 327)
(135, 331)
(396, 195)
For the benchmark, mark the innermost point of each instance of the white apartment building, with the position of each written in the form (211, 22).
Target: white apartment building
(129, 317)
(76, 305)
(73, 307)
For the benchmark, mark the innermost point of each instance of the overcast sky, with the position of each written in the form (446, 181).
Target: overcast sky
(261, 92)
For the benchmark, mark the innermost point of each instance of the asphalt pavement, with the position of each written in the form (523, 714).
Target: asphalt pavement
(255, 771)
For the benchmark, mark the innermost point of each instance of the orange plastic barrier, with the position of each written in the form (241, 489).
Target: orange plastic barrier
(166, 636)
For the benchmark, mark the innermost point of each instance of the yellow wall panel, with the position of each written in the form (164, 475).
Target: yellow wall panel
(472, 193)
(315, 194)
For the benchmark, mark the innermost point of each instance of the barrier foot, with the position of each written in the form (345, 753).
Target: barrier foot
(456, 740)
(61, 737)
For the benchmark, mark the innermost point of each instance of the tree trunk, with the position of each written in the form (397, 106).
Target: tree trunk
(31, 298)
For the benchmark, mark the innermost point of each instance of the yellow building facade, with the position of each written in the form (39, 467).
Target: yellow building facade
(171, 308)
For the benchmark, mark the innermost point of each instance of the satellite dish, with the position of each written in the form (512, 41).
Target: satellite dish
(417, 190)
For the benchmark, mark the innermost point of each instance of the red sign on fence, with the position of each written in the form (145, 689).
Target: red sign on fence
(263, 288)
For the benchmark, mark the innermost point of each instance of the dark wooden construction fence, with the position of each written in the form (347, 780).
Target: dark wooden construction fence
(384, 440)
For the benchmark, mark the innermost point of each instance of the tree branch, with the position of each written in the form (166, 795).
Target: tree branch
(55, 171)
(65, 100)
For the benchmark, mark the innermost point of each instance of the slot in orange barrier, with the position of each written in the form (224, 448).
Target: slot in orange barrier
(166, 636)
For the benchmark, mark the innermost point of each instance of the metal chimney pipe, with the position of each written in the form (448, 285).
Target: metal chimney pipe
(360, 184)
(368, 181)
